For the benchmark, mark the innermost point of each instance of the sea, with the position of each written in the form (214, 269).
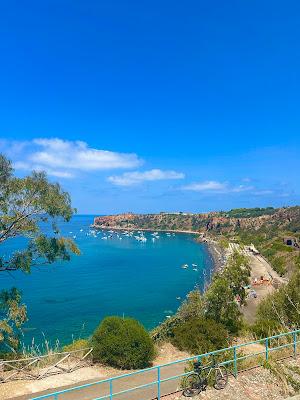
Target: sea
(119, 275)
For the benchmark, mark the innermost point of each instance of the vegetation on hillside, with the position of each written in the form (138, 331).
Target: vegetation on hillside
(217, 307)
(248, 212)
(280, 311)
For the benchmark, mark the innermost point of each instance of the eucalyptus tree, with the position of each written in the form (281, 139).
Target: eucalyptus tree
(29, 206)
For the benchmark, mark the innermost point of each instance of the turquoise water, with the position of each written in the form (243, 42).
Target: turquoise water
(111, 277)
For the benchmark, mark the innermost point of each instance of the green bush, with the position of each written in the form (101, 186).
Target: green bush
(266, 328)
(200, 335)
(278, 264)
(122, 343)
(77, 345)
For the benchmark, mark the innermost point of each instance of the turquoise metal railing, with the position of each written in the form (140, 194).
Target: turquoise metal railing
(155, 373)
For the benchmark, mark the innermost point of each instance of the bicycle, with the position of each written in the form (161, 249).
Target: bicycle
(195, 382)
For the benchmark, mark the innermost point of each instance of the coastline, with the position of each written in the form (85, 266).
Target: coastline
(217, 254)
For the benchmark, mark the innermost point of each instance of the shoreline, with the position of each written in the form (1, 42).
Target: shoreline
(217, 254)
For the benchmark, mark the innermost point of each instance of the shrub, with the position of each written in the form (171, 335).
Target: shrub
(200, 335)
(122, 343)
(77, 345)
(266, 328)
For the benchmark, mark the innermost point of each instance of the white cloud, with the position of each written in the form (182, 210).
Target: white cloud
(137, 177)
(63, 158)
(206, 186)
(77, 155)
(216, 187)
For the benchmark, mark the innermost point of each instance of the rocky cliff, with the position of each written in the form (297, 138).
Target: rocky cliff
(283, 218)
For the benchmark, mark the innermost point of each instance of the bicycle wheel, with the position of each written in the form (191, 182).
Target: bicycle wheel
(192, 385)
(221, 377)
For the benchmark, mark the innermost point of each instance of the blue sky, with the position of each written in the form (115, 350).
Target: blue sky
(154, 105)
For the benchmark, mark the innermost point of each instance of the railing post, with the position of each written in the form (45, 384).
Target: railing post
(295, 344)
(110, 389)
(158, 383)
(267, 349)
(235, 369)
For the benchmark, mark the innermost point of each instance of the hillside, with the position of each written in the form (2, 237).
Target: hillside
(220, 222)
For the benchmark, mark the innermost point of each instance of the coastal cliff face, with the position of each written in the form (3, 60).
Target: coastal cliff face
(214, 222)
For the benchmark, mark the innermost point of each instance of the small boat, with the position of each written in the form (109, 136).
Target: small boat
(178, 298)
(194, 265)
(195, 269)
(81, 230)
(104, 238)
(74, 237)
(185, 266)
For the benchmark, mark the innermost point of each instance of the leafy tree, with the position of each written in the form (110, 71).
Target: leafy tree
(122, 343)
(192, 306)
(26, 206)
(200, 335)
(220, 298)
(12, 316)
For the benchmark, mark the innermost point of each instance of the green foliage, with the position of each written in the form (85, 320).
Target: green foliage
(192, 306)
(12, 316)
(200, 335)
(266, 328)
(217, 304)
(220, 298)
(249, 212)
(278, 264)
(122, 343)
(77, 345)
(280, 310)
(224, 242)
(26, 205)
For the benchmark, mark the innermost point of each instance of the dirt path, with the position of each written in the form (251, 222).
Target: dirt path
(260, 268)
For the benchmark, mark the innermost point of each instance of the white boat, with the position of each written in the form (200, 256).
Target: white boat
(194, 265)
(104, 238)
(185, 266)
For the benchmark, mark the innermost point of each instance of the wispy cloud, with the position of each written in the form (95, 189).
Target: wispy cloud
(62, 158)
(205, 186)
(137, 177)
(216, 187)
